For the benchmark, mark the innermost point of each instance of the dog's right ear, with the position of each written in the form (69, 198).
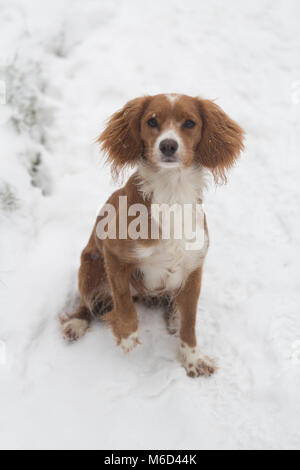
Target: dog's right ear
(121, 139)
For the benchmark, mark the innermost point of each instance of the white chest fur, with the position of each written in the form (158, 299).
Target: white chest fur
(166, 265)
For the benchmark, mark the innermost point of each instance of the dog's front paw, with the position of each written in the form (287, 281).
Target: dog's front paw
(74, 329)
(125, 333)
(129, 343)
(195, 364)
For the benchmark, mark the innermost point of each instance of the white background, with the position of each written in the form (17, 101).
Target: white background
(67, 66)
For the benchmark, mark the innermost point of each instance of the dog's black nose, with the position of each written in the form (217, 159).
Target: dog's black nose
(168, 147)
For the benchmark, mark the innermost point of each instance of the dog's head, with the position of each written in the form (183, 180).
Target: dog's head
(170, 131)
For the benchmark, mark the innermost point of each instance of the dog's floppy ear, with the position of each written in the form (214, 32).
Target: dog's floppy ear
(121, 139)
(221, 140)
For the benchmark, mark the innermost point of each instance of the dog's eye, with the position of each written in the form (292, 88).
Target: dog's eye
(189, 124)
(152, 122)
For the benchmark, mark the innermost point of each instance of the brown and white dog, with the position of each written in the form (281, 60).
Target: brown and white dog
(172, 140)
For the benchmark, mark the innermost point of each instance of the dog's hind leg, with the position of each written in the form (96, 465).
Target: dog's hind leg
(172, 316)
(95, 293)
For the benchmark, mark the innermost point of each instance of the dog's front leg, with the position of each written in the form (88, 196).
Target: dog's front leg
(193, 361)
(123, 318)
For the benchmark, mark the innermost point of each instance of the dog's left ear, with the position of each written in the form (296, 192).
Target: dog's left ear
(221, 140)
(121, 139)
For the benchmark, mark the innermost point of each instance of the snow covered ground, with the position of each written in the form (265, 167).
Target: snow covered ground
(66, 67)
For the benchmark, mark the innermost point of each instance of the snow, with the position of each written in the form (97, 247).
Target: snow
(66, 68)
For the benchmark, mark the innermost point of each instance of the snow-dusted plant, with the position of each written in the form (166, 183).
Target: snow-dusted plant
(8, 199)
(26, 86)
(31, 112)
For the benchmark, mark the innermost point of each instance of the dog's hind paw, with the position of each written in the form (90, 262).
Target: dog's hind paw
(74, 329)
(173, 322)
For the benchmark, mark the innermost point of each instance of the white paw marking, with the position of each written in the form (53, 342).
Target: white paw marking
(74, 329)
(129, 343)
(195, 363)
